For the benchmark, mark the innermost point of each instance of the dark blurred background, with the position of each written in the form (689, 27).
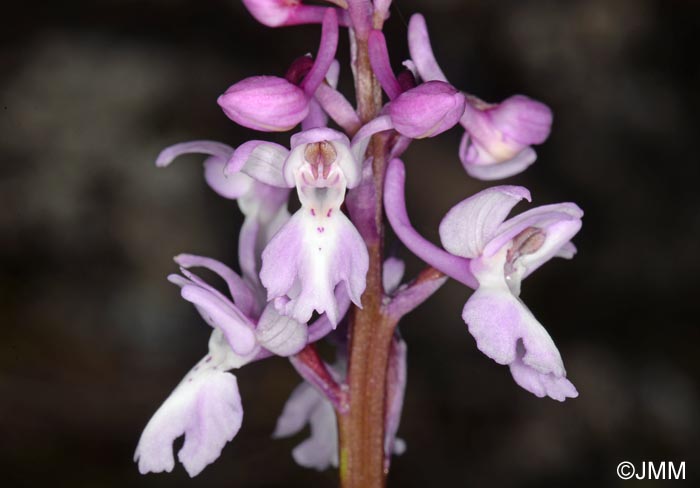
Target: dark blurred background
(94, 338)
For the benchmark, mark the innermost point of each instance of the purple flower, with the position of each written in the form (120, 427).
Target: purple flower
(494, 255)
(247, 323)
(264, 206)
(421, 111)
(277, 13)
(319, 247)
(497, 139)
(273, 104)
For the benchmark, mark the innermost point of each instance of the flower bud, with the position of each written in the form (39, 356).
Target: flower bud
(427, 110)
(265, 103)
(276, 13)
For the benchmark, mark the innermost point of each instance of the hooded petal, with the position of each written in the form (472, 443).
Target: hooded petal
(472, 223)
(206, 408)
(261, 160)
(558, 222)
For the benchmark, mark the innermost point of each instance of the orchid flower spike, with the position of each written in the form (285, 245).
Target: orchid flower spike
(498, 137)
(274, 104)
(319, 247)
(494, 255)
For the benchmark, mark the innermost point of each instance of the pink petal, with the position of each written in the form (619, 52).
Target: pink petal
(498, 321)
(541, 385)
(232, 186)
(495, 171)
(381, 65)
(471, 224)
(261, 160)
(223, 315)
(212, 148)
(392, 274)
(560, 223)
(421, 50)
(242, 295)
(207, 409)
(325, 55)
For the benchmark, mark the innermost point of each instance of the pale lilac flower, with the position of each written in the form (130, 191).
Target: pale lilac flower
(307, 406)
(247, 324)
(497, 139)
(319, 247)
(264, 206)
(205, 407)
(274, 104)
(494, 255)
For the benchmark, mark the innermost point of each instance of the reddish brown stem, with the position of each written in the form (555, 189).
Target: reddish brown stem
(361, 429)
